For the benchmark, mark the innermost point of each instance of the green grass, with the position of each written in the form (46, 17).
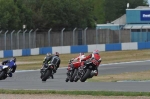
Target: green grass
(93, 93)
(33, 66)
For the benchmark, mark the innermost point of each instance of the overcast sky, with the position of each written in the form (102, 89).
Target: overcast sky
(149, 1)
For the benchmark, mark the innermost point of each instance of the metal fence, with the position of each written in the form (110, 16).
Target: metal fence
(34, 38)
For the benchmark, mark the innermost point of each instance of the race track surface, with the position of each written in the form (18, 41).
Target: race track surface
(31, 80)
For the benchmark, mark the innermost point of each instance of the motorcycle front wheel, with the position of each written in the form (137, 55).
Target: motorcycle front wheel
(86, 75)
(2, 75)
(46, 75)
(73, 75)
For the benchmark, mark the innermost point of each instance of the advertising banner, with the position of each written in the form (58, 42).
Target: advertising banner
(145, 15)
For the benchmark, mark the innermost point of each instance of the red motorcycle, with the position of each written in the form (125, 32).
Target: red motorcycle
(72, 70)
(89, 70)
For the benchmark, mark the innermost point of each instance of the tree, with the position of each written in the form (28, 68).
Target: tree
(25, 14)
(61, 13)
(116, 8)
(9, 15)
(68, 13)
(99, 13)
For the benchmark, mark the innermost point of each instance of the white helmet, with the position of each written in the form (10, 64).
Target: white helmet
(96, 52)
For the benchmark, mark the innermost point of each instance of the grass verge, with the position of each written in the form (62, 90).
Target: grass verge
(93, 93)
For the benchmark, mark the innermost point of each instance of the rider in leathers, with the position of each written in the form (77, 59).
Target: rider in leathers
(94, 56)
(47, 59)
(56, 60)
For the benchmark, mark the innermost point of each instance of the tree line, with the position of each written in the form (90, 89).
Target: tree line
(56, 14)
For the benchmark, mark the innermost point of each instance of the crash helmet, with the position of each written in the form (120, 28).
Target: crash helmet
(48, 54)
(96, 52)
(56, 54)
(81, 54)
(13, 59)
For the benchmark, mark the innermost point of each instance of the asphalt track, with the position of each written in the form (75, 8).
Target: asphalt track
(30, 80)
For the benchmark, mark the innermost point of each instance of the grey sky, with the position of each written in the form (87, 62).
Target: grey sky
(149, 1)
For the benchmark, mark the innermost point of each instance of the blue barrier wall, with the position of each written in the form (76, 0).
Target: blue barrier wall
(8, 53)
(26, 52)
(45, 50)
(113, 47)
(76, 49)
(144, 45)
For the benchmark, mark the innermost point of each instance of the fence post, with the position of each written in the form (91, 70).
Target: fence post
(0, 31)
(12, 39)
(62, 38)
(147, 39)
(24, 44)
(141, 33)
(85, 35)
(119, 34)
(130, 34)
(18, 37)
(49, 37)
(108, 32)
(5, 39)
(96, 36)
(30, 37)
(73, 36)
(35, 37)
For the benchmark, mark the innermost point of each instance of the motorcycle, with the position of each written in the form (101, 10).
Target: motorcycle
(87, 71)
(72, 71)
(4, 71)
(47, 71)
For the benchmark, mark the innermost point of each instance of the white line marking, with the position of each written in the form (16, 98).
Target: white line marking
(125, 62)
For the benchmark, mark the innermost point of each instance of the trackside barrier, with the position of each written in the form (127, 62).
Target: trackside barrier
(75, 49)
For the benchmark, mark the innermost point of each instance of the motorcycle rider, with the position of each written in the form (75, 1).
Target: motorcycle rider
(56, 60)
(47, 59)
(12, 64)
(52, 59)
(95, 57)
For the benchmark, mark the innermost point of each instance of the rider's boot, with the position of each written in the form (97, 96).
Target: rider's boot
(9, 75)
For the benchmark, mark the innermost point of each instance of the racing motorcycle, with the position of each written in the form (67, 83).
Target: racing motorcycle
(72, 71)
(47, 71)
(4, 71)
(89, 70)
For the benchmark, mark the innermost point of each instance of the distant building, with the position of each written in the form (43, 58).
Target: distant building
(136, 20)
